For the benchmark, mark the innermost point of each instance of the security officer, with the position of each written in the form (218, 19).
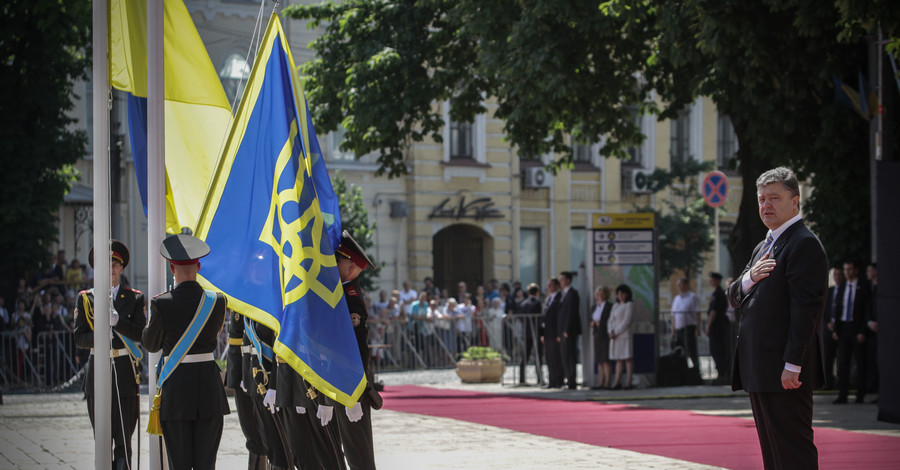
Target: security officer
(242, 400)
(192, 398)
(355, 423)
(126, 317)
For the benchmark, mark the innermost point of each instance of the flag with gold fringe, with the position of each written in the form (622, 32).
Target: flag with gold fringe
(271, 220)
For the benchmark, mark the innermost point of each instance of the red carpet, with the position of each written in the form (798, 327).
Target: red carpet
(712, 440)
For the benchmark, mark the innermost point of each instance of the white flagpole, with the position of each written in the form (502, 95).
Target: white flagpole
(156, 189)
(102, 373)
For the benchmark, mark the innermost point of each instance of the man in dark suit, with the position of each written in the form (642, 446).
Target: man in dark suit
(850, 332)
(551, 337)
(529, 306)
(569, 327)
(781, 294)
(832, 310)
(127, 319)
(192, 398)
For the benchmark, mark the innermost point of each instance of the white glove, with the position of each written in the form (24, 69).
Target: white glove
(113, 317)
(269, 400)
(355, 413)
(324, 414)
(243, 387)
(301, 410)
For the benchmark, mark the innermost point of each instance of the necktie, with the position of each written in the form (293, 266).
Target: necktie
(767, 246)
(848, 313)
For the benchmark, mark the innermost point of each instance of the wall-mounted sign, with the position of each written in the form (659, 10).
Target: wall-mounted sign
(478, 209)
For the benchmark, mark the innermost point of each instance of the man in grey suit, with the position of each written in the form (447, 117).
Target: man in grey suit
(781, 295)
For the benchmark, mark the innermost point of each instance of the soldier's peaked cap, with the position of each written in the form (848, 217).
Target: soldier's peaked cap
(117, 251)
(183, 249)
(351, 250)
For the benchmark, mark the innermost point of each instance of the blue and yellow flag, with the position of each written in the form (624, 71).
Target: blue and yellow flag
(197, 112)
(268, 225)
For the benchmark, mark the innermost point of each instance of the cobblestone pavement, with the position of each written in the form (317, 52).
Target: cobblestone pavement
(52, 431)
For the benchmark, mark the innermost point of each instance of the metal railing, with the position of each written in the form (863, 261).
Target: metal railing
(665, 343)
(43, 362)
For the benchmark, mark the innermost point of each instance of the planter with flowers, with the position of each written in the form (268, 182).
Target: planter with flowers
(480, 364)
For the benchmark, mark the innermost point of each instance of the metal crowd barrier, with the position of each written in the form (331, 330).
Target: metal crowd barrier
(665, 344)
(42, 363)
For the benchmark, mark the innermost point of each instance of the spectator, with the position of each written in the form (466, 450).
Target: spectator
(432, 290)
(23, 344)
(4, 315)
(717, 330)
(832, 313)
(600, 329)
(418, 314)
(463, 316)
(492, 291)
(407, 294)
(74, 277)
(493, 324)
(619, 327)
(685, 319)
(381, 303)
(461, 293)
(531, 307)
(18, 313)
(481, 301)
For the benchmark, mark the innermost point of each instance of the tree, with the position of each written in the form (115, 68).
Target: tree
(355, 219)
(42, 53)
(684, 228)
(561, 69)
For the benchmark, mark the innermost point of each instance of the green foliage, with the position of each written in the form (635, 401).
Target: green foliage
(482, 353)
(685, 227)
(42, 54)
(355, 219)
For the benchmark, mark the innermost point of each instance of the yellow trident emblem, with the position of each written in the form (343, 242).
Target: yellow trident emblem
(298, 221)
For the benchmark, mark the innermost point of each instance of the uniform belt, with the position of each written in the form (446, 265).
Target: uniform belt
(245, 349)
(201, 357)
(115, 352)
(235, 341)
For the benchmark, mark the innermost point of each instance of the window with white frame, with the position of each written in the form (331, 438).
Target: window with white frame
(635, 153)
(461, 141)
(680, 138)
(726, 142)
(529, 255)
(335, 138)
(234, 74)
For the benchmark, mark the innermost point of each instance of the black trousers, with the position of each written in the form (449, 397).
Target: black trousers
(248, 422)
(192, 444)
(124, 420)
(687, 338)
(720, 349)
(784, 425)
(356, 438)
(570, 360)
(849, 348)
(553, 353)
(271, 438)
(312, 445)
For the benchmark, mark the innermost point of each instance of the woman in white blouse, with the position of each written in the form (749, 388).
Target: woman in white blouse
(620, 346)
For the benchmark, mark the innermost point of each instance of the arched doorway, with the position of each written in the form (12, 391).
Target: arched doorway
(462, 253)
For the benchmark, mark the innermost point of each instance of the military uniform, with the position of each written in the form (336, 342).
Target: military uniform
(125, 371)
(356, 436)
(242, 400)
(193, 398)
(264, 377)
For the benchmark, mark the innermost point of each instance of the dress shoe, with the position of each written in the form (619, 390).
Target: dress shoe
(616, 387)
(840, 401)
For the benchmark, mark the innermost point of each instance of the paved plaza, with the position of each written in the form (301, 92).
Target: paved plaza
(52, 431)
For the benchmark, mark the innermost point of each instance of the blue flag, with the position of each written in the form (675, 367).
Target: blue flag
(271, 220)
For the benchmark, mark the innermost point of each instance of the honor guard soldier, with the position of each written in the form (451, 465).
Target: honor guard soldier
(185, 323)
(242, 400)
(259, 381)
(355, 423)
(127, 319)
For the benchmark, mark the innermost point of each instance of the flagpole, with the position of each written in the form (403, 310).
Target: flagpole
(102, 372)
(156, 177)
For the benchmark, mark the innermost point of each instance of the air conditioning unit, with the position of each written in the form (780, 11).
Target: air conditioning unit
(637, 181)
(536, 177)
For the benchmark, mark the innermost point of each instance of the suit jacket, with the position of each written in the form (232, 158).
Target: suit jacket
(860, 307)
(550, 320)
(130, 305)
(602, 331)
(193, 390)
(570, 313)
(781, 314)
(719, 303)
(832, 309)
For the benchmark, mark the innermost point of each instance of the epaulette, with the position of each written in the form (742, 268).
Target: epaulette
(351, 290)
(133, 290)
(85, 292)
(161, 293)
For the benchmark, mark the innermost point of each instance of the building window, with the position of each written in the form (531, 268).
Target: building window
(726, 144)
(680, 140)
(335, 139)
(581, 153)
(234, 76)
(530, 256)
(577, 252)
(461, 141)
(636, 153)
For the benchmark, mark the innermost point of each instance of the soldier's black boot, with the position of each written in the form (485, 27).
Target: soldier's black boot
(257, 462)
